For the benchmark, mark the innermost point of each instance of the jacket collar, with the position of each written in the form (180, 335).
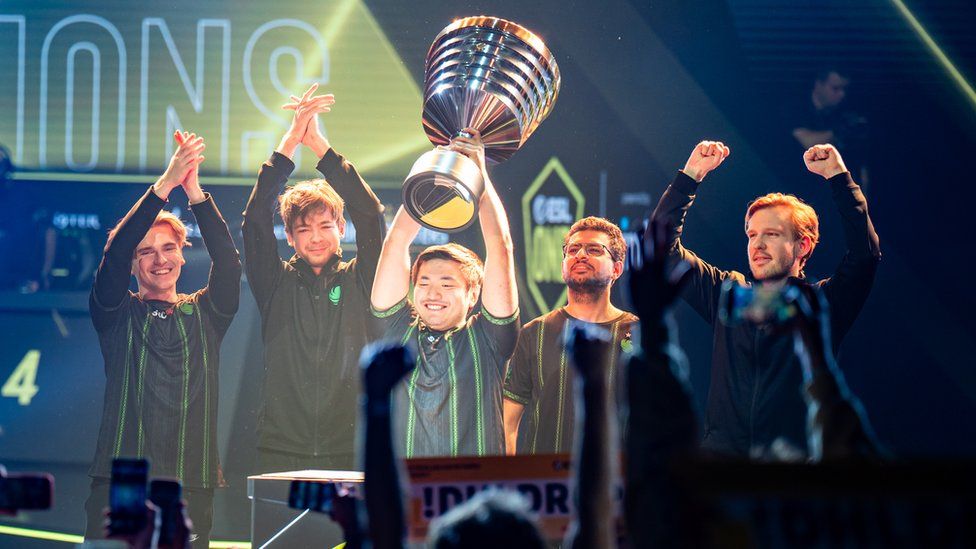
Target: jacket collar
(305, 270)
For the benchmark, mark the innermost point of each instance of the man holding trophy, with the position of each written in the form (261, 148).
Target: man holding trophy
(488, 85)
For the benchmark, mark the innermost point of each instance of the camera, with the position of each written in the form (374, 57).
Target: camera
(25, 491)
(127, 496)
(758, 305)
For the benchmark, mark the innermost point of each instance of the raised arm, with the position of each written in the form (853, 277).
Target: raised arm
(393, 269)
(848, 288)
(705, 281)
(594, 446)
(384, 365)
(112, 277)
(499, 294)
(365, 210)
(224, 282)
(837, 425)
(662, 423)
(261, 260)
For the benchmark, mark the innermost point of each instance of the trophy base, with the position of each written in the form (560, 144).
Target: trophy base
(442, 191)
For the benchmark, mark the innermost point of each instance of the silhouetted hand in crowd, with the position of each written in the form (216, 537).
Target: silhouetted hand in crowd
(345, 513)
(148, 537)
(837, 425)
(662, 422)
(595, 446)
(384, 364)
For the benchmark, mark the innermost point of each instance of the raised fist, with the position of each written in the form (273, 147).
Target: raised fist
(656, 280)
(705, 158)
(588, 347)
(384, 364)
(824, 160)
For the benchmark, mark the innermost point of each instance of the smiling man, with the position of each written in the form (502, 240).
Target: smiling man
(539, 378)
(451, 404)
(754, 397)
(314, 307)
(161, 347)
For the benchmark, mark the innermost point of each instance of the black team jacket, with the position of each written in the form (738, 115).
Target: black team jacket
(755, 392)
(313, 327)
(161, 359)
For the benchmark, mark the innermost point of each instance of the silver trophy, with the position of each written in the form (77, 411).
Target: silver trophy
(484, 73)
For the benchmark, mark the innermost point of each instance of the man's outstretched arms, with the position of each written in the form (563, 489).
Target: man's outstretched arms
(112, 278)
(705, 281)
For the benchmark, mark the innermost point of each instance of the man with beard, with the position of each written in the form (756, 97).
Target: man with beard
(451, 404)
(539, 378)
(754, 397)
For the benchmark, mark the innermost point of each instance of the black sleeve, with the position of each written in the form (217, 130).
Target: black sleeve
(848, 288)
(705, 281)
(112, 278)
(501, 334)
(518, 379)
(365, 212)
(394, 322)
(224, 283)
(261, 260)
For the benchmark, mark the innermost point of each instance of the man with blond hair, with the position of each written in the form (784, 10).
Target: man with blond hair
(315, 306)
(754, 397)
(451, 404)
(161, 347)
(539, 396)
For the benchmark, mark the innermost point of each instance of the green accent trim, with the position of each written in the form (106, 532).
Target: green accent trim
(538, 397)
(562, 398)
(512, 396)
(186, 391)
(140, 380)
(40, 534)
(479, 422)
(411, 413)
(499, 321)
(206, 407)
(452, 375)
(612, 359)
(125, 388)
(554, 165)
(411, 386)
(77, 538)
(389, 312)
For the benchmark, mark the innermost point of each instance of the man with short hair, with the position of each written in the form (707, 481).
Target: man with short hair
(824, 117)
(162, 348)
(451, 404)
(754, 397)
(314, 307)
(539, 379)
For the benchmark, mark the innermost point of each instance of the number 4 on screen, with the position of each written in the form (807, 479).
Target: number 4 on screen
(21, 383)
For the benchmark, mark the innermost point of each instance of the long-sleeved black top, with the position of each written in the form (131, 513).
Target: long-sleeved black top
(755, 392)
(313, 326)
(161, 359)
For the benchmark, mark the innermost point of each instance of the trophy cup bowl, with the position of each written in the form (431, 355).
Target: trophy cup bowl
(486, 74)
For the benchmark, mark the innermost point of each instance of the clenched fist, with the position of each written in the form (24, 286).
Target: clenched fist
(824, 160)
(705, 158)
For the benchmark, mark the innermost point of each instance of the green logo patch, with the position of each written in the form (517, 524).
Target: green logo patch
(335, 294)
(626, 346)
(186, 308)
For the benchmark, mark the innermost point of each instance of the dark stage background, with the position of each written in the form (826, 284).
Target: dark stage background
(643, 82)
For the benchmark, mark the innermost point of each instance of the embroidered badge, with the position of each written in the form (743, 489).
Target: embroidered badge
(335, 294)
